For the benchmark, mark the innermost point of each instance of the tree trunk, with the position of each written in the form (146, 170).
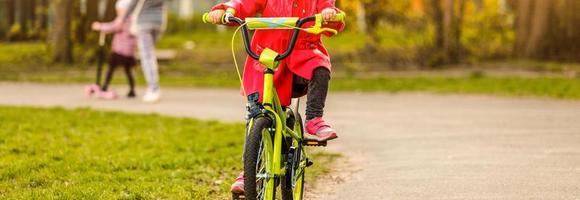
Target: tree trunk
(61, 33)
(447, 15)
(110, 11)
(455, 48)
(373, 17)
(10, 7)
(80, 22)
(44, 7)
(522, 24)
(538, 28)
(33, 13)
(437, 18)
(448, 32)
(562, 33)
(10, 17)
(548, 29)
(23, 16)
(92, 13)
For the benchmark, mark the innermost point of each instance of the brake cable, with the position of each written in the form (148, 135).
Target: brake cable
(234, 51)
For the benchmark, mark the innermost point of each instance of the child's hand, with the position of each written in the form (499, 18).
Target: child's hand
(328, 14)
(216, 16)
(96, 26)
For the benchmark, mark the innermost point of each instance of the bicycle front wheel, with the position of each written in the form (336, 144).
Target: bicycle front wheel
(256, 161)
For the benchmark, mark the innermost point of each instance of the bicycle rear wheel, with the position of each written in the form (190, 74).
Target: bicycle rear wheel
(255, 161)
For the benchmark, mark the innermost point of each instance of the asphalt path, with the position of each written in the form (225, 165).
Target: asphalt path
(400, 146)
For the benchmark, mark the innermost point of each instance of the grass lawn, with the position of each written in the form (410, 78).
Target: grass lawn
(554, 87)
(209, 65)
(86, 154)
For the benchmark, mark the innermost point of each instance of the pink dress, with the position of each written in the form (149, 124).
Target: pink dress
(124, 43)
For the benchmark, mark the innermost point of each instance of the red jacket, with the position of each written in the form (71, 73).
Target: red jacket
(308, 54)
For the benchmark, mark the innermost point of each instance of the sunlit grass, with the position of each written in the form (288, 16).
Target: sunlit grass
(554, 87)
(86, 154)
(79, 154)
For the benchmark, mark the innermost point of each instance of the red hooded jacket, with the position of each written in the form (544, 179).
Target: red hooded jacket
(308, 54)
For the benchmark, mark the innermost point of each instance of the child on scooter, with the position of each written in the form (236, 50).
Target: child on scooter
(123, 50)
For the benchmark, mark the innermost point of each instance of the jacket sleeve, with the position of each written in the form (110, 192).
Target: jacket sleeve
(110, 27)
(324, 4)
(243, 8)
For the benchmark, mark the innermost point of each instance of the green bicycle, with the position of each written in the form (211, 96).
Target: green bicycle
(274, 153)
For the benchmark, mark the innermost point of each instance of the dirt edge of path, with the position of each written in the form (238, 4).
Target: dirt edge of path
(343, 169)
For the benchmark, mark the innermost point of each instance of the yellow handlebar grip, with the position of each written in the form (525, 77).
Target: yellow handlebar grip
(341, 16)
(205, 18)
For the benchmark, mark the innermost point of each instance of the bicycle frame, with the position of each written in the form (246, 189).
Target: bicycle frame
(274, 110)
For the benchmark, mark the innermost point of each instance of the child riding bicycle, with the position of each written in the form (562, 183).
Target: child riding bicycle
(305, 71)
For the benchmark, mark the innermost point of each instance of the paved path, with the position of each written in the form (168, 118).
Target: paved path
(403, 146)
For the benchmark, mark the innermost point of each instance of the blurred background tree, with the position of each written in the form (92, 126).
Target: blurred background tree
(389, 33)
(548, 29)
(60, 39)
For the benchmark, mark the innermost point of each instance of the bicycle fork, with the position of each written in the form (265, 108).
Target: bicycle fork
(271, 105)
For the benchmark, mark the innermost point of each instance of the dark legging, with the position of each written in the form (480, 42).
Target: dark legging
(127, 63)
(316, 89)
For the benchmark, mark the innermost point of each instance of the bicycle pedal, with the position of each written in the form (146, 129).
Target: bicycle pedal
(314, 143)
(236, 196)
(309, 163)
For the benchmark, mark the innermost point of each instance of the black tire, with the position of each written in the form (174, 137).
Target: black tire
(251, 155)
(288, 189)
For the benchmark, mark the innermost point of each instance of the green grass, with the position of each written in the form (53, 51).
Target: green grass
(83, 154)
(559, 87)
(209, 64)
(553, 87)
(24, 54)
(86, 154)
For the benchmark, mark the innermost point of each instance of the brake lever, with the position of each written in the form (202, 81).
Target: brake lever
(317, 28)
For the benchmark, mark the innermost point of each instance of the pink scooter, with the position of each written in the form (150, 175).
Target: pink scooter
(94, 90)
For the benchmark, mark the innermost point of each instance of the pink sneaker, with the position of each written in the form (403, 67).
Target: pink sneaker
(319, 130)
(90, 90)
(238, 186)
(107, 95)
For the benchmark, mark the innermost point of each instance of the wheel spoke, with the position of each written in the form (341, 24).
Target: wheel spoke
(261, 175)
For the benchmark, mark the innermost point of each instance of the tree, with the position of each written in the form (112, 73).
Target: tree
(110, 11)
(378, 11)
(374, 10)
(90, 15)
(447, 15)
(61, 32)
(532, 18)
(547, 29)
(43, 15)
(9, 11)
(92, 11)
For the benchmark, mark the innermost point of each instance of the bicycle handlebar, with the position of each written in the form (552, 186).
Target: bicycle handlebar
(276, 23)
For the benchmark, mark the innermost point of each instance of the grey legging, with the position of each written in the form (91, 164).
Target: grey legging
(146, 38)
(316, 89)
